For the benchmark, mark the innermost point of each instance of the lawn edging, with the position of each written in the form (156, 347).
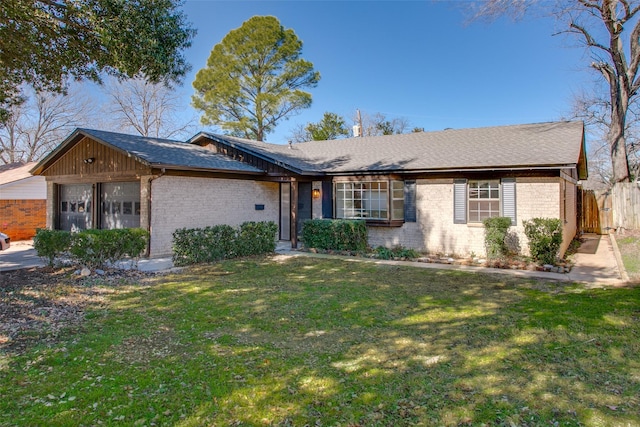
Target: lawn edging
(616, 252)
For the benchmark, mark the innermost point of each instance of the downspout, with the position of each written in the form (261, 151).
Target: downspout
(162, 172)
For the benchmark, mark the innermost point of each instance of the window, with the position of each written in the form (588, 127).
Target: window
(484, 200)
(397, 200)
(362, 200)
(372, 200)
(475, 201)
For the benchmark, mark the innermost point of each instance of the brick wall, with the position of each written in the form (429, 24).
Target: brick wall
(185, 202)
(435, 232)
(20, 218)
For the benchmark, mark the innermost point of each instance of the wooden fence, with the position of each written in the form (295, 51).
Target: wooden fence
(603, 211)
(625, 198)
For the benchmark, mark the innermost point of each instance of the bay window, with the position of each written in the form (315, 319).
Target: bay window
(381, 200)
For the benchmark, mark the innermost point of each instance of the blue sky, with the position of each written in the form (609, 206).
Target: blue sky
(419, 60)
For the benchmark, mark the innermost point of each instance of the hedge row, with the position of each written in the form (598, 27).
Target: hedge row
(209, 244)
(341, 235)
(90, 248)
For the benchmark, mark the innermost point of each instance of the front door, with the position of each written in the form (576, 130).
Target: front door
(304, 204)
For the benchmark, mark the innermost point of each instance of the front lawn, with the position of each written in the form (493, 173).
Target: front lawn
(318, 342)
(629, 244)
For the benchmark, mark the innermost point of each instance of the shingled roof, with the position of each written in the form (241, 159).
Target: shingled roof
(14, 172)
(156, 152)
(530, 146)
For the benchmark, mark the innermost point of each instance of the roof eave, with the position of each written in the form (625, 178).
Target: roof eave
(252, 152)
(17, 181)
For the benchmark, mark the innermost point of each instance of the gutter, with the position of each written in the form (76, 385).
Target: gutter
(413, 171)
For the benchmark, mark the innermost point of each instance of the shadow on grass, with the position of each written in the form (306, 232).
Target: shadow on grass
(326, 342)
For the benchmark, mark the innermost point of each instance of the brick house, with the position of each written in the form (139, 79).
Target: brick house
(429, 191)
(22, 201)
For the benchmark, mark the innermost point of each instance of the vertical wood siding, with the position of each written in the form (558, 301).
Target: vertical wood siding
(106, 160)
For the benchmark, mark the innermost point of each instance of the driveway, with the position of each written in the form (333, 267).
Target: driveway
(22, 255)
(19, 255)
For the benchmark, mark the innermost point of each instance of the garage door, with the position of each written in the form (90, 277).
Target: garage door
(120, 205)
(75, 207)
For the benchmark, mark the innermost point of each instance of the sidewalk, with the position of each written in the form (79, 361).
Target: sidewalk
(594, 263)
(598, 261)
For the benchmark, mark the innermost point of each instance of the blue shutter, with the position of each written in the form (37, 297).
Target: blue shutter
(509, 199)
(410, 201)
(459, 201)
(327, 199)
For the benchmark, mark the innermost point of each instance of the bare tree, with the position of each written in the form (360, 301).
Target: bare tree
(610, 30)
(38, 124)
(149, 109)
(595, 112)
(378, 124)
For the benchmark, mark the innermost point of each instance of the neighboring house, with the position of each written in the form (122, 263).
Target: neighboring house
(429, 190)
(22, 201)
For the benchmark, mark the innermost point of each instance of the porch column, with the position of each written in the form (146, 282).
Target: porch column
(145, 207)
(52, 205)
(294, 214)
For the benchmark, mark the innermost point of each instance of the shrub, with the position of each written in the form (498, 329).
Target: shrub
(256, 238)
(95, 248)
(495, 234)
(214, 243)
(335, 234)
(545, 238)
(198, 245)
(397, 252)
(51, 244)
(384, 252)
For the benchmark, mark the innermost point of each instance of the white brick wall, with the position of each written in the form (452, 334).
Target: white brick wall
(179, 202)
(435, 232)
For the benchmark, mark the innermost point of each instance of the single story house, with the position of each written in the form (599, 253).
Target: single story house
(22, 201)
(429, 190)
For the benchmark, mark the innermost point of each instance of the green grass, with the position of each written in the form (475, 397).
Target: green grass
(329, 342)
(630, 252)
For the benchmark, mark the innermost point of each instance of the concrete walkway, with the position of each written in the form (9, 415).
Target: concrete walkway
(596, 262)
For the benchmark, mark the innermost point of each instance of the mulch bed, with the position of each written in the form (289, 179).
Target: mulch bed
(37, 304)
